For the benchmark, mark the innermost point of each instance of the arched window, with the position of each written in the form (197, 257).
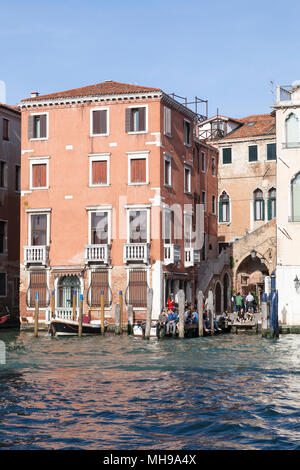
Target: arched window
(259, 205)
(295, 187)
(224, 207)
(271, 203)
(292, 131)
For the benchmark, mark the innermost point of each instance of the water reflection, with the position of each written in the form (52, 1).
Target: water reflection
(99, 393)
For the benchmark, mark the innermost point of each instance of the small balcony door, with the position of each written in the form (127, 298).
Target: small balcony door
(138, 226)
(38, 229)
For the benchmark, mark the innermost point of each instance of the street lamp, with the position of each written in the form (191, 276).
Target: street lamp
(253, 254)
(297, 282)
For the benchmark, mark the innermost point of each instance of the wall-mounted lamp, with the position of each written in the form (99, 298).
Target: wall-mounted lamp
(253, 254)
(297, 282)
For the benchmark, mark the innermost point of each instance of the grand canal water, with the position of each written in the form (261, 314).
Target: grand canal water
(226, 392)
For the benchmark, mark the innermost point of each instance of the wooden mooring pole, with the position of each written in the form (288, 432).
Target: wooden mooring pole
(181, 298)
(210, 308)
(102, 311)
(121, 311)
(36, 316)
(149, 312)
(117, 319)
(200, 312)
(130, 319)
(53, 304)
(74, 305)
(80, 316)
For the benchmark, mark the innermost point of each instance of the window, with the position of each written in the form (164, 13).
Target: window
(99, 228)
(65, 288)
(3, 285)
(3, 237)
(204, 199)
(187, 132)
(227, 158)
(213, 204)
(136, 292)
(292, 131)
(3, 174)
(18, 178)
(252, 153)
(39, 175)
(135, 119)
(99, 172)
(38, 285)
(187, 179)
(188, 229)
(203, 251)
(138, 170)
(167, 171)
(5, 134)
(138, 226)
(271, 152)
(99, 282)
(167, 121)
(38, 126)
(224, 208)
(203, 162)
(99, 121)
(259, 205)
(167, 226)
(271, 204)
(295, 187)
(39, 229)
(213, 166)
(99, 169)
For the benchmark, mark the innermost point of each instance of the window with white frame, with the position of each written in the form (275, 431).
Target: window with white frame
(167, 226)
(167, 122)
(137, 168)
(213, 166)
(3, 237)
(295, 196)
(271, 203)
(3, 284)
(39, 175)
(99, 170)
(136, 119)
(138, 226)
(292, 131)
(188, 229)
(38, 126)
(38, 225)
(99, 226)
(224, 208)
(99, 122)
(187, 179)
(187, 132)
(167, 170)
(259, 205)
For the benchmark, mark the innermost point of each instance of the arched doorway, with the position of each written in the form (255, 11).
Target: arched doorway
(225, 291)
(65, 287)
(250, 276)
(218, 296)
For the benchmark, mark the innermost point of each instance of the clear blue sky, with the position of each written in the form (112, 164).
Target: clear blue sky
(223, 51)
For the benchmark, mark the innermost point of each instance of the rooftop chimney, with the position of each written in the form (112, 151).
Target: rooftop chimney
(34, 94)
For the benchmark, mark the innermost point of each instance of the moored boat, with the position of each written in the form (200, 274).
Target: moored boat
(8, 320)
(70, 327)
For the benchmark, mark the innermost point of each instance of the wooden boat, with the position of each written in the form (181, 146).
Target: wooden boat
(70, 327)
(8, 320)
(139, 330)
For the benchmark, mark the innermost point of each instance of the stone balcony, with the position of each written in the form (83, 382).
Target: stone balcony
(136, 253)
(172, 254)
(37, 255)
(97, 254)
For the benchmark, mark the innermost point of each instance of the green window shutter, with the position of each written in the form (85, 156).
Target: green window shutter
(228, 211)
(271, 152)
(269, 209)
(220, 211)
(252, 156)
(263, 210)
(226, 156)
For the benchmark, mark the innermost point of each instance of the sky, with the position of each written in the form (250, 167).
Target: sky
(232, 53)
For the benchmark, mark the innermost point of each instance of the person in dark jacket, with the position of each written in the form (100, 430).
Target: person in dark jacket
(172, 322)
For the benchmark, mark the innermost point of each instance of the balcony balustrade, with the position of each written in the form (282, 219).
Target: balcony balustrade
(38, 254)
(136, 252)
(97, 254)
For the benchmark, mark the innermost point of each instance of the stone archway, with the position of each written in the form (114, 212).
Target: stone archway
(250, 276)
(218, 297)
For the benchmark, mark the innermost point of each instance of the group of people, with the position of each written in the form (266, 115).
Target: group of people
(244, 306)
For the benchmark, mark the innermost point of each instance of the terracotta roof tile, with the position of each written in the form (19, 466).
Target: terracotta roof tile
(263, 124)
(11, 108)
(105, 88)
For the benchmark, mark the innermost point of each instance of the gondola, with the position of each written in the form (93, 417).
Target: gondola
(8, 320)
(70, 327)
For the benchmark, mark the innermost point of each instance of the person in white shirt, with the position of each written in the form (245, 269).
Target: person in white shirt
(249, 301)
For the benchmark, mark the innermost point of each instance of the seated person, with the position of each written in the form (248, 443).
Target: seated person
(217, 328)
(161, 322)
(241, 316)
(206, 324)
(249, 314)
(195, 317)
(172, 322)
(187, 317)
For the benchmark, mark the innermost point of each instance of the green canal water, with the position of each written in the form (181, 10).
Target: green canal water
(225, 392)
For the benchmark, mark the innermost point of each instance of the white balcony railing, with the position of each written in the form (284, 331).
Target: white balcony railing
(172, 253)
(136, 252)
(62, 313)
(38, 254)
(191, 256)
(97, 253)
